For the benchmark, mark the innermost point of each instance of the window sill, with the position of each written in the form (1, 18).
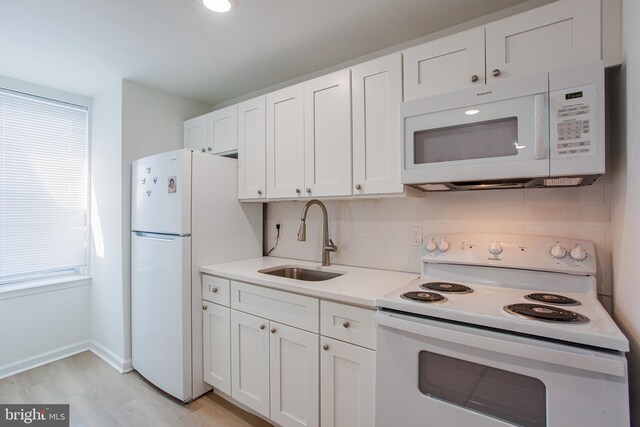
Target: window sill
(31, 287)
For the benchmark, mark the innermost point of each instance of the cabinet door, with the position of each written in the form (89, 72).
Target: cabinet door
(445, 65)
(217, 346)
(223, 130)
(327, 135)
(348, 384)
(294, 377)
(252, 149)
(558, 35)
(285, 143)
(377, 94)
(195, 133)
(250, 361)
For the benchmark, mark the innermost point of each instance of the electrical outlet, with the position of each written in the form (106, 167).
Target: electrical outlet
(415, 235)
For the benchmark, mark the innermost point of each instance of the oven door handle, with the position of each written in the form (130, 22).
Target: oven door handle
(589, 360)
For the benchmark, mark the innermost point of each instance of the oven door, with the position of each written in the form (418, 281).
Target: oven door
(431, 372)
(500, 133)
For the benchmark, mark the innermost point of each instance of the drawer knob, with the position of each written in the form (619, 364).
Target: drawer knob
(496, 72)
(346, 324)
(214, 290)
(208, 148)
(309, 190)
(298, 191)
(262, 326)
(259, 192)
(358, 187)
(325, 347)
(204, 307)
(475, 78)
(273, 330)
(203, 150)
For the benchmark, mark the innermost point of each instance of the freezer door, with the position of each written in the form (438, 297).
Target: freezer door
(161, 193)
(161, 311)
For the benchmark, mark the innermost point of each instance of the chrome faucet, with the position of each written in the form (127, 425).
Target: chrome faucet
(327, 243)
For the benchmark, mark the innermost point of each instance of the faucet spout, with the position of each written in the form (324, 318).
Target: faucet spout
(327, 244)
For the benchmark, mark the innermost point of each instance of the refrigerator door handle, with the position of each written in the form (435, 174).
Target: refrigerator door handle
(159, 236)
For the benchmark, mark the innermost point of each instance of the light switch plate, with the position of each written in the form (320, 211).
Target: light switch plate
(415, 235)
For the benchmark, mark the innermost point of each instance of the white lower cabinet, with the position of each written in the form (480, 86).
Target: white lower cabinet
(250, 361)
(217, 359)
(294, 368)
(295, 377)
(347, 385)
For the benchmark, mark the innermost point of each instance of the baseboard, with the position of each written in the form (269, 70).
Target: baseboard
(116, 362)
(43, 359)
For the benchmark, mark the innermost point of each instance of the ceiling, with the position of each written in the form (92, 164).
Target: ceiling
(86, 46)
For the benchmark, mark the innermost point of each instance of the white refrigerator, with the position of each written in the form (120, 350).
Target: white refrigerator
(184, 214)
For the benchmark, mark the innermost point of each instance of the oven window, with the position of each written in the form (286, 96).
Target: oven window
(501, 394)
(495, 138)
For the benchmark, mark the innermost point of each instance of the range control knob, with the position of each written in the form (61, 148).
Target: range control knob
(558, 251)
(578, 253)
(443, 245)
(431, 246)
(495, 248)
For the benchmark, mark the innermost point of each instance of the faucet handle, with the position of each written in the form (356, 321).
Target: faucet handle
(331, 247)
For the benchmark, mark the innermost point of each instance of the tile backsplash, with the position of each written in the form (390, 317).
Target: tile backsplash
(375, 232)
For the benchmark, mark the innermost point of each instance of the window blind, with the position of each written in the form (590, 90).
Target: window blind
(43, 187)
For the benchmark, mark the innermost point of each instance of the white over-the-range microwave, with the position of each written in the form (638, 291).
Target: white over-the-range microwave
(546, 130)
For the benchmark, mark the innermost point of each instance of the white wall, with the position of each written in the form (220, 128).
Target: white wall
(129, 121)
(625, 200)
(375, 233)
(107, 296)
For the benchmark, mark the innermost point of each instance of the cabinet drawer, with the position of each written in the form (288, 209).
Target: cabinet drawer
(215, 289)
(347, 323)
(291, 309)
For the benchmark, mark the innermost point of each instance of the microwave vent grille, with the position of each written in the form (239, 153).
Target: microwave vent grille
(562, 182)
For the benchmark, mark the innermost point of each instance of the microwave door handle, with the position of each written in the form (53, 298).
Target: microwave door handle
(539, 111)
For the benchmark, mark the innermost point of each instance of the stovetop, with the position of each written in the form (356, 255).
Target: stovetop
(544, 300)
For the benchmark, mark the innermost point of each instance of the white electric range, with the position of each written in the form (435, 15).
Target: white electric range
(500, 330)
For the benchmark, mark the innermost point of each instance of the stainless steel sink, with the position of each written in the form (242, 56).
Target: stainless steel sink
(300, 273)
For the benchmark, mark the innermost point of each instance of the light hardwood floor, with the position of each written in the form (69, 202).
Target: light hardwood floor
(99, 396)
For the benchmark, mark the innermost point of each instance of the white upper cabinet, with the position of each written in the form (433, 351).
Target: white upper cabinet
(285, 143)
(252, 149)
(377, 94)
(195, 133)
(444, 65)
(295, 383)
(558, 35)
(327, 135)
(222, 130)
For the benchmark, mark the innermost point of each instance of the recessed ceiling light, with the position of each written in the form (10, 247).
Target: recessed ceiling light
(219, 6)
(471, 112)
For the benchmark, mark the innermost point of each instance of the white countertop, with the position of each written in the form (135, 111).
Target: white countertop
(360, 286)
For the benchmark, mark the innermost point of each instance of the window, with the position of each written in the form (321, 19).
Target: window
(43, 187)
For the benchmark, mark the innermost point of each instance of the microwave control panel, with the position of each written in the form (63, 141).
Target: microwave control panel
(572, 122)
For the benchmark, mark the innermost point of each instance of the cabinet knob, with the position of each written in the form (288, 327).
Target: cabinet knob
(208, 148)
(203, 150)
(475, 78)
(214, 290)
(273, 330)
(325, 347)
(496, 72)
(358, 187)
(262, 326)
(298, 191)
(346, 324)
(259, 192)
(308, 190)
(204, 307)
